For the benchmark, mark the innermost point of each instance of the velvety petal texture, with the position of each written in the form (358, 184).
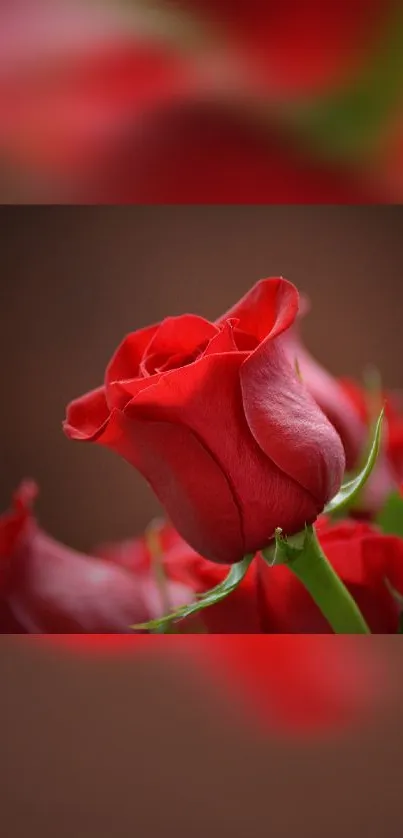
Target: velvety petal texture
(346, 407)
(330, 396)
(216, 419)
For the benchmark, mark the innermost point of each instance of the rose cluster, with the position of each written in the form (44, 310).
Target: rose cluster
(242, 435)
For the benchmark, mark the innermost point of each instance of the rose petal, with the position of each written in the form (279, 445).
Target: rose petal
(125, 363)
(269, 308)
(186, 479)
(288, 424)
(206, 397)
(180, 335)
(223, 341)
(87, 416)
(330, 397)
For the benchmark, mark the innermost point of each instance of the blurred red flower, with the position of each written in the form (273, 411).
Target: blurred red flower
(203, 107)
(271, 600)
(298, 47)
(393, 403)
(46, 587)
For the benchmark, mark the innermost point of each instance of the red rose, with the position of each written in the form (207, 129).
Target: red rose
(218, 422)
(47, 588)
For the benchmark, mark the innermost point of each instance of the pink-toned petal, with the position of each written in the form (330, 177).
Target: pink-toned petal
(174, 596)
(330, 397)
(16, 526)
(55, 589)
(288, 425)
(269, 308)
(87, 416)
(132, 554)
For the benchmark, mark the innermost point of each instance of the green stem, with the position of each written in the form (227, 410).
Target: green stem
(312, 568)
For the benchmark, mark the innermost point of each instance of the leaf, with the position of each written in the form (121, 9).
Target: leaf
(390, 518)
(351, 488)
(236, 574)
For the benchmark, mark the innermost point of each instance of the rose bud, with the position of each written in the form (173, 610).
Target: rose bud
(47, 588)
(218, 422)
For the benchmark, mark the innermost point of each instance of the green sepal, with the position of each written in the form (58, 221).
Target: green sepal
(303, 555)
(390, 518)
(216, 594)
(287, 548)
(350, 490)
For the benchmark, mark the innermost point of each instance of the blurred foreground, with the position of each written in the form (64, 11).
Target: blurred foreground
(194, 101)
(153, 735)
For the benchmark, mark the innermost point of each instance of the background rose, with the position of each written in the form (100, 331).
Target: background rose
(239, 613)
(393, 402)
(218, 422)
(271, 600)
(361, 555)
(363, 558)
(47, 588)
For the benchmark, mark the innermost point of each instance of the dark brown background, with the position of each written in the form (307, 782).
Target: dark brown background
(146, 749)
(75, 281)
